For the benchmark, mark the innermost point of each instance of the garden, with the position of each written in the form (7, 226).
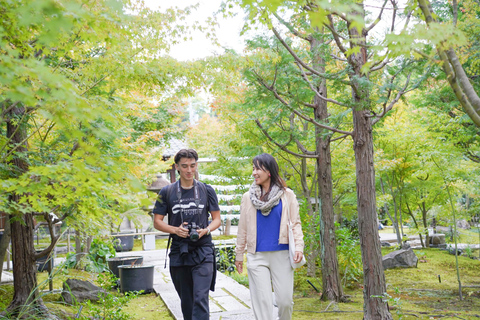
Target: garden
(371, 110)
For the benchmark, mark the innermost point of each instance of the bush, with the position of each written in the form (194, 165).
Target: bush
(349, 256)
(225, 259)
(96, 259)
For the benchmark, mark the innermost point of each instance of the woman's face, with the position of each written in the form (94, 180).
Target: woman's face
(262, 177)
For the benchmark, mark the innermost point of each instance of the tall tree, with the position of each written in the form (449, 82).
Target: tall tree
(347, 25)
(67, 73)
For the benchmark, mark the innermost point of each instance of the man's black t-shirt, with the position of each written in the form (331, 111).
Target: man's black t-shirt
(186, 210)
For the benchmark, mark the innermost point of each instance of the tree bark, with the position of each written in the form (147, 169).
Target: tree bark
(425, 224)
(373, 274)
(332, 287)
(25, 297)
(4, 244)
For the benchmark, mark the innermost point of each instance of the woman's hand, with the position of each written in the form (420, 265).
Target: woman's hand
(239, 265)
(298, 256)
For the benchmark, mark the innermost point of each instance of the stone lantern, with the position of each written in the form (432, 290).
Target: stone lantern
(158, 184)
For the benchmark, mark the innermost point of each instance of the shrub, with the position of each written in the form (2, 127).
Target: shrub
(349, 256)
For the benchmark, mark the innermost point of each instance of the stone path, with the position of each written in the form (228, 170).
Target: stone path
(229, 301)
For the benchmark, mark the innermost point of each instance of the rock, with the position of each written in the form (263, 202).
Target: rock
(463, 224)
(451, 250)
(385, 244)
(437, 239)
(403, 258)
(76, 291)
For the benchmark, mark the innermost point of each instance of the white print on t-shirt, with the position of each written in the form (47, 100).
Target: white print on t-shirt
(188, 208)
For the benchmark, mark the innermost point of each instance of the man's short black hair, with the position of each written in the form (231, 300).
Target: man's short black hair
(186, 153)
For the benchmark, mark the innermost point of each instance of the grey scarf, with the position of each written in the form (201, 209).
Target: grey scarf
(273, 198)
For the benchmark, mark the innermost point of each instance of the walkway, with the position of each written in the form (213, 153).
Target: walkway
(230, 300)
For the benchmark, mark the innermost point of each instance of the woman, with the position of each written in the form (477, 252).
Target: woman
(263, 229)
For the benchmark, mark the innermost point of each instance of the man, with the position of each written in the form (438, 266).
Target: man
(192, 258)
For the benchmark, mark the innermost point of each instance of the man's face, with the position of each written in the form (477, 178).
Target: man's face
(186, 167)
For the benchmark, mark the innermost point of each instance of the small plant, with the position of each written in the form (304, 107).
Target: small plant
(468, 251)
(394, 303)
(95, 260)
(349, 256)
(109, 307)
(107, 280)
(100, 251)
(225, 259)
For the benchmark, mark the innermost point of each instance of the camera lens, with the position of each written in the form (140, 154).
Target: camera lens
(194, 235)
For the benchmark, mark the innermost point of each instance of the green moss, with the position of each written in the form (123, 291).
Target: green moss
(148, 307)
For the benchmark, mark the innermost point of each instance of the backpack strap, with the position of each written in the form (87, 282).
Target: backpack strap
(170, 189)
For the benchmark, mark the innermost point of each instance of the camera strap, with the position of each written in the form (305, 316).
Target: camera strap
(196, 195)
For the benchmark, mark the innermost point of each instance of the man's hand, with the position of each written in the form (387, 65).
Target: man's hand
(202, 232)
(181, 231)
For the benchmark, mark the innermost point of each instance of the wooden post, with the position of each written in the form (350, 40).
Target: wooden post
(68, 239)
(228, 224)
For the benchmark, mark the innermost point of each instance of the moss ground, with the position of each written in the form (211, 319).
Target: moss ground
(414, 293)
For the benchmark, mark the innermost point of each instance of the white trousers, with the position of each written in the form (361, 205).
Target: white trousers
(264, 270)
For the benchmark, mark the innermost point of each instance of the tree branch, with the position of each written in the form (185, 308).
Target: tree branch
(291, 28)
(21, 142)
(281, 146)
(394, 101)
(296, 57)
(335, 34)
(300, 146)
(306, 118)
(379, 18)
(318, 94)
(456, 76)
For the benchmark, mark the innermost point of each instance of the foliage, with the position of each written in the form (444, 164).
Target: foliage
(100, 251)
(311, 228)
(92, 91)
(225, 257)
(349, 257)
(110, 306)
(96, 259)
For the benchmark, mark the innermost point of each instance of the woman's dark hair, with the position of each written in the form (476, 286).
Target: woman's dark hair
(267, 162)
(186, 153)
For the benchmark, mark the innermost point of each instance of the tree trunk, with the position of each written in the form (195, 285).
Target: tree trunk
(332, 287)
(425, 224)
(373, 275)
(25, 297)
(4, 244)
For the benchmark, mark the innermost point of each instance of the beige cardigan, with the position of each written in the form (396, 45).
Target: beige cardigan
(247, 225)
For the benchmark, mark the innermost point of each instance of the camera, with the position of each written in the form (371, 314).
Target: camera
(192, 230)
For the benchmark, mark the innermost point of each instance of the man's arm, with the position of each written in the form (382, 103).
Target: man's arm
(161, 225)
(216, 222)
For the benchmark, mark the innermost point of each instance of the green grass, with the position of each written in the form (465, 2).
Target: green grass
(415, 293)
(146, 307)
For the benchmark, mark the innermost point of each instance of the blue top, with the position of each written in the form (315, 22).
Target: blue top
(268, 230)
